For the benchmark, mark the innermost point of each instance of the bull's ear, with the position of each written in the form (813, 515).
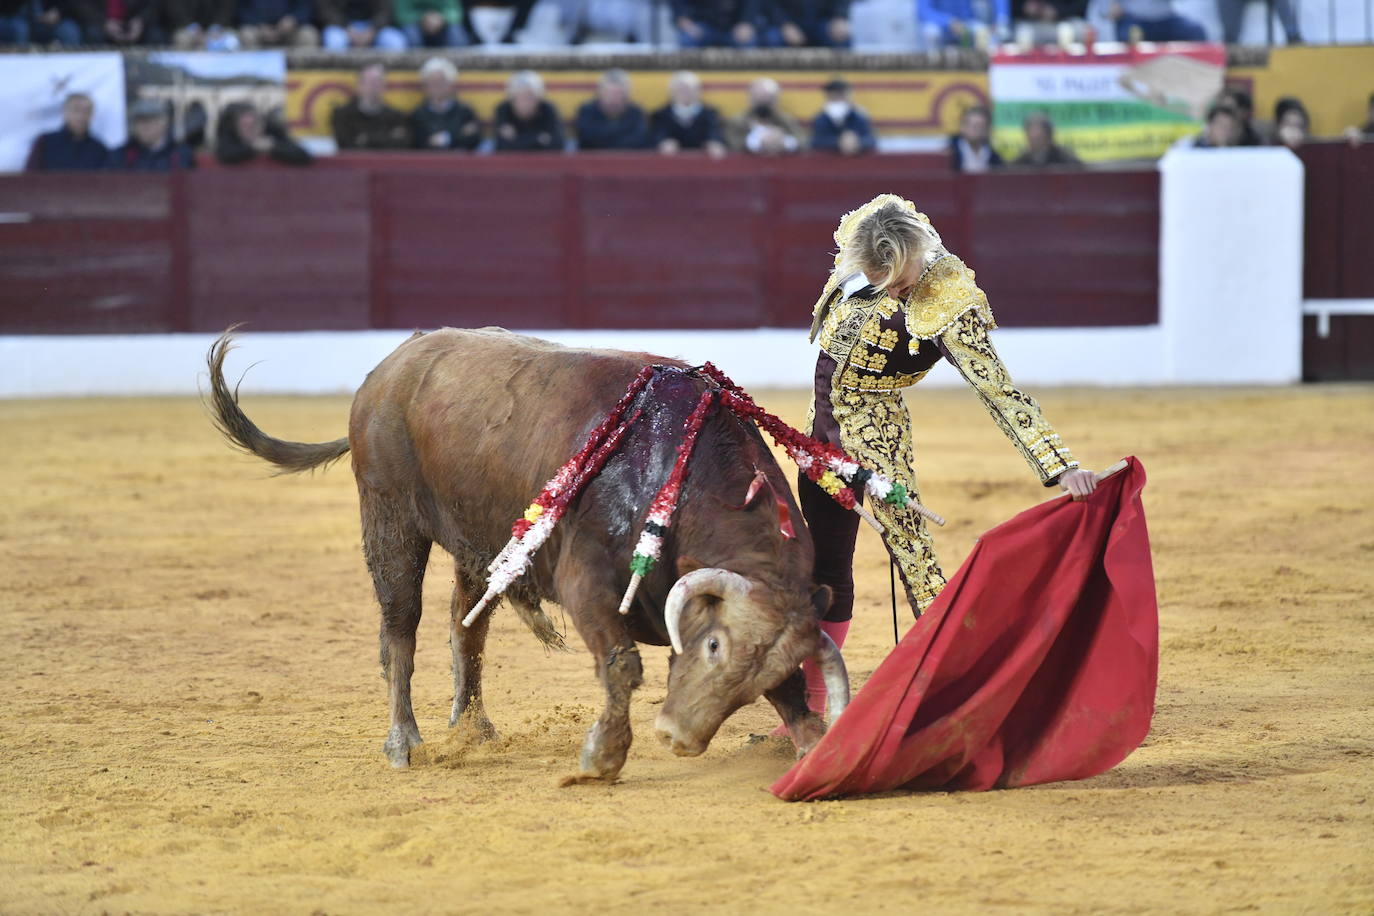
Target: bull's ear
(686, 564)
(820, 600)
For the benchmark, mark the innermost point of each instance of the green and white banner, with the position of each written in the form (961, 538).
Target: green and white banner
(1127, 103)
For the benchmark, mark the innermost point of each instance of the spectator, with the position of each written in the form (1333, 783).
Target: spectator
(430, 23)
(70, 148)
(40, 22)
(441, 121)
(685, 123)
(202, 25)
(124, 22)
(520, 15)
(1357, 135)
(1223, 128)
(366, 121)
(611, 120)
(525, 121)
(1038, 21)
(1240, 100)
(244, 136)
(150, 147)
(841, 127)
(802, 23)
(1155, 19)
(716, 23)
(628, 20)
(277, 24)
(1041, 150)
(959, 22)
(359, 24)
(1232, 13)
(1292, 124)
(764, 128)
(969, 149)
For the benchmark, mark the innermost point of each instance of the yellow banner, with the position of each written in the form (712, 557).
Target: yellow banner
(902, 102)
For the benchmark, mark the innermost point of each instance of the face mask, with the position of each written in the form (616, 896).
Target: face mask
(763, 111)
(837, 111)
(686, 112)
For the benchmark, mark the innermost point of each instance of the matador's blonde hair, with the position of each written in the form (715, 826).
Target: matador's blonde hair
(885, 242)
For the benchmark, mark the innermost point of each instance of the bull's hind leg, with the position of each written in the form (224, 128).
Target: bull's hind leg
(396, 556)
(468, 644)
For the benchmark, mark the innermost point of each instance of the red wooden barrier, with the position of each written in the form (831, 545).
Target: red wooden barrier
(546, 241)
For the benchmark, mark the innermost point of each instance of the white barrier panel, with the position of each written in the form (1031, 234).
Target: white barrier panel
(1230, 265)
(328, 362)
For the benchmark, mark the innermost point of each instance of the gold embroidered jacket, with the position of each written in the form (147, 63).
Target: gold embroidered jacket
(872, 343)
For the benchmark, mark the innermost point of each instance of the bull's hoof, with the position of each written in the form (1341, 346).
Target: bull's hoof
(398, 744)
(474, 730)
(584, 779)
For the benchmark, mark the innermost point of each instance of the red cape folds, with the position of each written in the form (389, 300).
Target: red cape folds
(1037, 662)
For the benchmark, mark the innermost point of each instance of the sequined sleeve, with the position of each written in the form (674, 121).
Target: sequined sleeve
(968, 347)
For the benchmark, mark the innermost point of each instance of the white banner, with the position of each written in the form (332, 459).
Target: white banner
(33, 87)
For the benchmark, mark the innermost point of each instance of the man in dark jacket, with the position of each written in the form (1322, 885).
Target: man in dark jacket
(841, 127)
(526, 121)
(799, 23)
(150, 147)
(1041, 150)
(367, 121)
(41, 22)
(611, 120)
(440, 121)
(71, 148)
(685, 123)
(717, 23)
(969, 149)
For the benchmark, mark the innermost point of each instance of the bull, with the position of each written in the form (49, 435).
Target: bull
(452, 434)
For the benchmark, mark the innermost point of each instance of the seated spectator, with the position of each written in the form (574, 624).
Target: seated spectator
(685, 123)
(430, 23)
(716, 23)
(764, 129)
(441, 121)
(1240, 100)
(1357, 135)
(150, 147)
(39, 22)
(611, 120)
(525, 121)
(359, 24)
(802, 23)
(1041, 150)
(969, 149)
(1223, 128)
(627, 20)
(1292, 124)
(70, 148)
(1038, 21)
(202, 25)
(1233, 14)
(244, 135)
(520, 15)
(958, 23)
(841, 127)
(124, 22)
(366, 121)
(277, 24)
(1155, 19)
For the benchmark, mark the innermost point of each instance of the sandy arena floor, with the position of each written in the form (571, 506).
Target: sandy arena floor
(192, 713)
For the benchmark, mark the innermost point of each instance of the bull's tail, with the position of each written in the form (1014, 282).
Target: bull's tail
(234, 425)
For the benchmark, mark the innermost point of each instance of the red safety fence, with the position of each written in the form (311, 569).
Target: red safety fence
(545, 241)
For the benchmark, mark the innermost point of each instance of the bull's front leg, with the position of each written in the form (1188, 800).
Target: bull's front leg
(789, 699)
(608, 741)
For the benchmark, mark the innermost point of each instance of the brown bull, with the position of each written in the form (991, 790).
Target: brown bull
(456, 431)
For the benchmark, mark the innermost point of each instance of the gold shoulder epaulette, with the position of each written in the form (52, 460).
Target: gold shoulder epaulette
(946, 291)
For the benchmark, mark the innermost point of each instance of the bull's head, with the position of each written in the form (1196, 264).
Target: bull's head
(735, 639)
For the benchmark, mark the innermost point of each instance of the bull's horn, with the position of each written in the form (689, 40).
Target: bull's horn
(831, 663)
(722, 583)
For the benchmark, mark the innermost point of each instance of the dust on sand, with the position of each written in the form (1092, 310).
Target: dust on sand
(192, 716)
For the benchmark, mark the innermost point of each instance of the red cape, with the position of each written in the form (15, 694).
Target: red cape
(1037, 662)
